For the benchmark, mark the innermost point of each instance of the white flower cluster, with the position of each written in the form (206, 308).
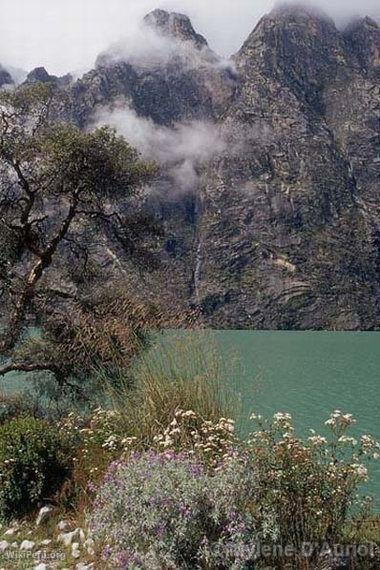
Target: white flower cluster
(189, 432)
(370, 446)
(317, 440)
(111, 443)
(360, 471)
(346, 440)
(340, 420)
(283, 421)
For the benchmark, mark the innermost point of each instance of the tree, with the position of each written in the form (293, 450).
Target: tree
(55, 181)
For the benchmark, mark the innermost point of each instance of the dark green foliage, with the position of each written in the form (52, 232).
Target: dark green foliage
(63, 190)
(33, 464)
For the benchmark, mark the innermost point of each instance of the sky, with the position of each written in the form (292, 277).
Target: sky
(67, 35)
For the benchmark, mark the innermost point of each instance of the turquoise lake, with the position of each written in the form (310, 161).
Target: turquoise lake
(308, 374)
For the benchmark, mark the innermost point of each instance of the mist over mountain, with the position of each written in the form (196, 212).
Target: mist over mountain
(67, 36)
(269, 189)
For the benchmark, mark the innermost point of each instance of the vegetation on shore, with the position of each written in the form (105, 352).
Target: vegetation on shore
(167, 482)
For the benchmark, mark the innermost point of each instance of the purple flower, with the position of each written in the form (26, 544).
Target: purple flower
(107, 552)
(160, 530)
(122, 560)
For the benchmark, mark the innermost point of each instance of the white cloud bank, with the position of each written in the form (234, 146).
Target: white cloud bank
(67, 35)
(180, 150)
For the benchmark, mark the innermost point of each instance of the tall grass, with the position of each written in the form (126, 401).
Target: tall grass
(184, 371)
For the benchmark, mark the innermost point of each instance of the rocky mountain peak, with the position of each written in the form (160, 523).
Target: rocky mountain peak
(38, 75)
(299, 11)
(291, 23)
(363, 38)
(172, 24)
(275, 45)
(5, 77)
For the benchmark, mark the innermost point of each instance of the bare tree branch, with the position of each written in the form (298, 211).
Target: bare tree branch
(24, 367)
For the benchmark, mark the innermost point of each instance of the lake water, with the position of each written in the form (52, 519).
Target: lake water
(308, 374)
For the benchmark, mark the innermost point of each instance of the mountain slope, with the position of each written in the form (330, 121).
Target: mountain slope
(290, 226)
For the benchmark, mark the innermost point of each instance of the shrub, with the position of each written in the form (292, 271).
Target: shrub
(183, 373)
(33, 464)
(102, 438)
(95, 441)
(306, 492)
(163, 510)
(204, 499)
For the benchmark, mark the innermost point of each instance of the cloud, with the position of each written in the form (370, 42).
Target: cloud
(180, 150)
(68, 35)
(143, 47)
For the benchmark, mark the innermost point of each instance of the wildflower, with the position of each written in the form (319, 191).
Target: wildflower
(256, 417)
(129, 440)
(347, 440)
(369, 444)
(283, 421)
(360, 471)
(317, 440)
(190, 414)
(338, 419)
(279, 416)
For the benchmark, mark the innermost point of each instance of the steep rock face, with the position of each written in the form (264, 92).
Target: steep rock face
(289, 233)
(363, 38)
(283, 228)
(40, 75)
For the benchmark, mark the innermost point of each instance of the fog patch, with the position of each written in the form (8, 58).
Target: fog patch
(181, 150)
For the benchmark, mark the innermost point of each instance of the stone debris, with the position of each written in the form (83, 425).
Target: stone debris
(27, 545)
(44, 514)
(75, 552)
(63, 526)
(11, 532)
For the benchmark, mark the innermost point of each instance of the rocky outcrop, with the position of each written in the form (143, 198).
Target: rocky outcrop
(178, 80)
(176, 26)
(40, 75)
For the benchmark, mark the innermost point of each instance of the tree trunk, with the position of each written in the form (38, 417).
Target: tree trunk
(17, 315)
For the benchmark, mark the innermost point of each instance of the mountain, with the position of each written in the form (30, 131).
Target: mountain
(40, 75)
(280, 227)
(175, 77)
(290, 227)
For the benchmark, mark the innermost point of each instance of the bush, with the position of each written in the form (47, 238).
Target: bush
(163, 510)
(33, 464)
(181, 374)
(103, 437)
(307, 491)
(204, 499)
